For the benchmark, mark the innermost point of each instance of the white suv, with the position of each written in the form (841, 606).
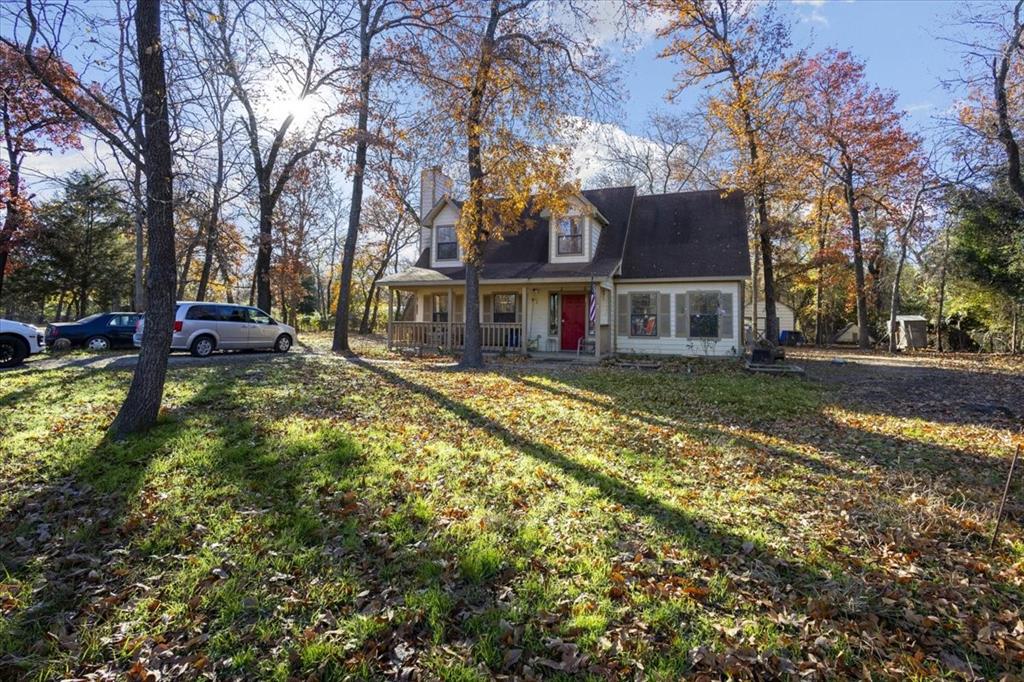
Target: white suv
(17, 342)
(201, 328)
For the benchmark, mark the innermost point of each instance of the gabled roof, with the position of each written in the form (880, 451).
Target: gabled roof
(687, 234)
(438, 207)
(683, 235)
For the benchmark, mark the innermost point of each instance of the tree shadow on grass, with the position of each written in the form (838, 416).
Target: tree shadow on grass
(697, 533)
(60, 538)
(844, 449)
(874, 581)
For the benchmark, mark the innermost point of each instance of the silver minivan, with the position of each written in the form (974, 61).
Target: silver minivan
(202, 328)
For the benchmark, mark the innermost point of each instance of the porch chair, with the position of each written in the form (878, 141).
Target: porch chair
(585, 344)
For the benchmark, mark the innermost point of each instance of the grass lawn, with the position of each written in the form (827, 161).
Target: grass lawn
(314, 518)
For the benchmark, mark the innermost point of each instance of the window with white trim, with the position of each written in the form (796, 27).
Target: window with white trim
(710, 315)
(570, 237)
(505, 307)
(643, 314)
(440, 308)
(447, 243)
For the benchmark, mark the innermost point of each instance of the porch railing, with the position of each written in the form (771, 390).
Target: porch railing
(495, 336)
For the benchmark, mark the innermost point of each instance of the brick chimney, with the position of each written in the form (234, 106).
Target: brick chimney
(434, 184)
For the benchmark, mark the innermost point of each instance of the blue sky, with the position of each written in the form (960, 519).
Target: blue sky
(899, 40)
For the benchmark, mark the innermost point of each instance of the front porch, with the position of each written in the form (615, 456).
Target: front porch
(550, 321)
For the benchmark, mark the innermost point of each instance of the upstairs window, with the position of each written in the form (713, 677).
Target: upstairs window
(447, 243)
(570, 237)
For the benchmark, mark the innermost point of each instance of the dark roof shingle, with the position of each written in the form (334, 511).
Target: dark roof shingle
(683, 235)
(687, 234)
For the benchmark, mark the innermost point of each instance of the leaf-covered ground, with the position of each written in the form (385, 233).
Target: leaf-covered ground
(308, 517)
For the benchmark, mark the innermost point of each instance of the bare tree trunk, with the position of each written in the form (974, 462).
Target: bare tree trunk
(863, 340)
(348, 257)
(376, 311)
(894, 302)
(142, 404)
(1013, 327)
(472, 352)
(940, 321)
(12, 219)
(186, 265)
(261, 277)
(1004, 128)
(140, 242)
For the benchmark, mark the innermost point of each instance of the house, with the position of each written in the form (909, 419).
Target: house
(617, 273)
(849, 335)
(783, 313)
(911, 332)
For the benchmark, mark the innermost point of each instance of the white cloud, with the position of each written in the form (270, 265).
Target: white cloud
(591, 149)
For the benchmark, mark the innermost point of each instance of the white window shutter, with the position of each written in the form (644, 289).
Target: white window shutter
(682, 319)
(664, 315)
(725, 316)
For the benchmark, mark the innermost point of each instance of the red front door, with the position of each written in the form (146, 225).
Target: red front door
(573, 320)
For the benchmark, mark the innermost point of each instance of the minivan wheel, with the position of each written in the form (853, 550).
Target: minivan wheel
(283, 343)
(13, 351)
(98, 343)
(203, 346)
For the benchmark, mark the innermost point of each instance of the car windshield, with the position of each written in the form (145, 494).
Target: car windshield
(84, 320)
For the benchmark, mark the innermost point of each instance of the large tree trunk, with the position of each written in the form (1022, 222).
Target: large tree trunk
(864, 340)
(1004, 128)
(12, 220)
(186, 265)
(819, 291)
(348, 257)
(142, 404)
(940, 321)
(894, 303)
(364, 321)
(261, 278)
(139, 275)
(472, 352)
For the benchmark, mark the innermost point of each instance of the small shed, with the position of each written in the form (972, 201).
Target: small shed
(911, 332)
(849, 335)
(785, 315)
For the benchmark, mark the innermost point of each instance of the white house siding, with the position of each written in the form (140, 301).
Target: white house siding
(787, 318)
(669, 343)
(448, 215)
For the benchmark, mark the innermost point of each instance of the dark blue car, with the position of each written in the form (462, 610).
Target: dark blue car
(96, 332)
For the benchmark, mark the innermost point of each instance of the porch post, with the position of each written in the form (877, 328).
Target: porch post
(450, 315)
(522, 324)
(597, 322)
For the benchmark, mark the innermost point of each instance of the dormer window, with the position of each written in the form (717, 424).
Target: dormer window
(447, 243)
(570, 237)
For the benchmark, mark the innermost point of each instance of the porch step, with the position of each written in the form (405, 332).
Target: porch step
(776, 368)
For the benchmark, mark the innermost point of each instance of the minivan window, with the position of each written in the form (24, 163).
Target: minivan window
(230, 313)
(207, 313)
(258, 316)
